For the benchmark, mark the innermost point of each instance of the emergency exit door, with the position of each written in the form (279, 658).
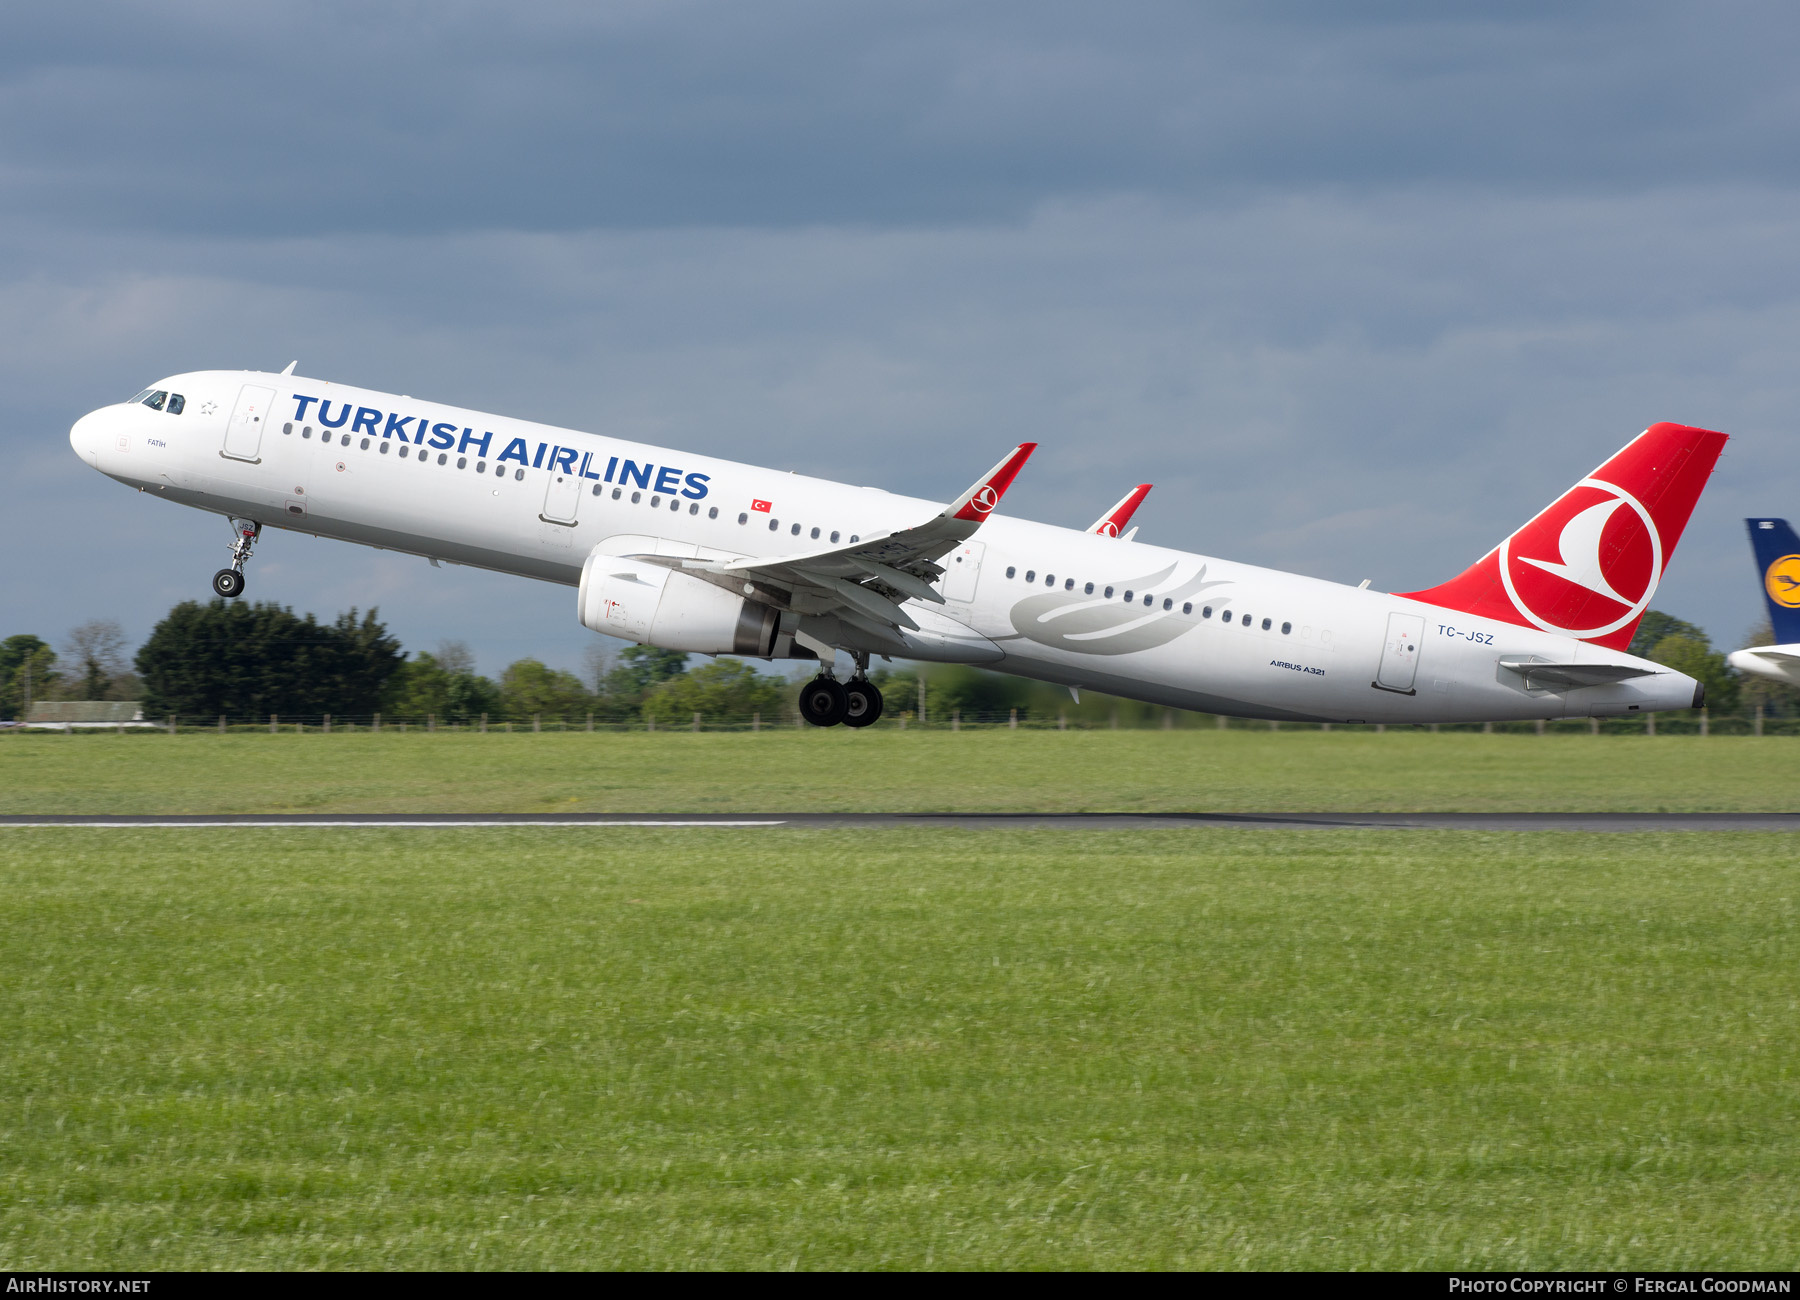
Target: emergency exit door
(562, 498)
(1400, 654)
(961, 569)
(243, 435)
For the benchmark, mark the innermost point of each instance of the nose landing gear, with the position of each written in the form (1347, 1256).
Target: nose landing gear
(229, 583)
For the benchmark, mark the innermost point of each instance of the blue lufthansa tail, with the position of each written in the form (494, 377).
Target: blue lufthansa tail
(1778, 562)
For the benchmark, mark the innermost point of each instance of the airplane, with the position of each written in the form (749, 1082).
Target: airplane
(1777, 553)
(710, 556)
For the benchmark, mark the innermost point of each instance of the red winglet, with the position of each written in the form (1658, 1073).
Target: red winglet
(979, 501)
(1113, 522)
(1588, 565)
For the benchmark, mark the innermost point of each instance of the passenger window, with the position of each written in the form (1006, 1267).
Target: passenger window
(462, 462)
(815, 534)
(365, 445)
(306, 432)
(288, 427)
(1031, 575)
(177, 403)
(616, 493)
(656, 503)
(1088, 589)
(694, 509)
(155, 400)
(834, 535)
(518, 474)
(1068, 584)
(795, 530)
(636, 497)
(597, 488)
(1128, 598)
(1246, 620)
(1049, 579)
(675, 504)
(1265, 625)
(442, 458)
(1168, 604)
(743, 518)
(1149, 600)
(405, 451)
(774, 525)
(1188, 608)
(1286, 628)
(346, 440)
(854, 538)
(1011, 570)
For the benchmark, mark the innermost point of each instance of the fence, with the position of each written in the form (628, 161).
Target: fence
(1682, 722)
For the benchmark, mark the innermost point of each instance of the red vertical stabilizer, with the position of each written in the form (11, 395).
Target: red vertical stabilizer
(1588, 566)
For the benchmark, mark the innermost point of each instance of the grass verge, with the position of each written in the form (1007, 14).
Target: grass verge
(763, 1048)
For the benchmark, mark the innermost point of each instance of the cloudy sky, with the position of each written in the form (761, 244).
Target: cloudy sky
(1359, 288)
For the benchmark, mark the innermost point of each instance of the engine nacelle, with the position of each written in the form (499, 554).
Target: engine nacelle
(658, 606)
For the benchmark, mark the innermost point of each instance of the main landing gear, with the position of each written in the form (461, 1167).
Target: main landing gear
(825, 701)
(229, 583)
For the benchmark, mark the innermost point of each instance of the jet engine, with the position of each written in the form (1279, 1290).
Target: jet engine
(658, 606)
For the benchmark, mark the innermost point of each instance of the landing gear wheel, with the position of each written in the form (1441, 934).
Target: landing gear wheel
(228, 583)
(823, 702)
(862, 703)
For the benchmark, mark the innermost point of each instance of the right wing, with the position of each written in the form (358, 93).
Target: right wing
(1113, 522)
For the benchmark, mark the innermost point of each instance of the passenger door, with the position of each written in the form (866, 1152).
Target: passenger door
(1400, 653)
(243, 435)
(961, 569)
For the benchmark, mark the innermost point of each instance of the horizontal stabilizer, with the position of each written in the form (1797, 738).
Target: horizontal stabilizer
(1540, 676)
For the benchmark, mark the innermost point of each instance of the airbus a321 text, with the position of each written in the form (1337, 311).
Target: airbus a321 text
(713, 557)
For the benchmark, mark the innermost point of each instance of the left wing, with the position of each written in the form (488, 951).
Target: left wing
(864, 583)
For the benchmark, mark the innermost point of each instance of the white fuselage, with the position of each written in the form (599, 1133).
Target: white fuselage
(1021, 597)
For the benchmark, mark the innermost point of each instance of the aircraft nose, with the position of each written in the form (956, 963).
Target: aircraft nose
(87, 435)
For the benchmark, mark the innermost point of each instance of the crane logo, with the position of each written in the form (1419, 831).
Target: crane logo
(1782, 581)
(1586, 566)
(985, 499)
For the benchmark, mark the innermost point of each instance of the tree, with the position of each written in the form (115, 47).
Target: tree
(96, 652)
(27, 673)
(441, 685)
(726, 689)
(1656, 625)
(529, 687)
(642, 666)
(251, 660)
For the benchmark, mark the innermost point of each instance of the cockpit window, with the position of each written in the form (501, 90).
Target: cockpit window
(155, 400)
(177, 403)
(140, 397)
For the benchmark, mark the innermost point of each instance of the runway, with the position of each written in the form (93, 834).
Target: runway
(1574, 821)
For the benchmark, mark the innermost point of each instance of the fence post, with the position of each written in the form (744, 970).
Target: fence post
(1593, 726)
(1168, 720)
(1649, 724)
(171, 724)
(483, 723)
(1324, 726)
(376, 724)
(1062, 719)
(756, 722)
(650, 722)
(590, 722)
(1759, 717)
(1487, 728)
(327, 724)
(1219, 722)
(1274, 724)
(956, 719)
(1380, 728)
(1012, 719)
(221, 724)
(1704, 730)
(431, 722)
(272, 724)
(696, 722)
(903, 718)
(1540, 726)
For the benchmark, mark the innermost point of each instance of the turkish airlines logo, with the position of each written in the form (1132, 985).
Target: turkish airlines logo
(985, 499)
(1109, 529)
(1588, 565)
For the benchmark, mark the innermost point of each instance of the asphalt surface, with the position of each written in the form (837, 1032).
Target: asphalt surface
(1601, 821)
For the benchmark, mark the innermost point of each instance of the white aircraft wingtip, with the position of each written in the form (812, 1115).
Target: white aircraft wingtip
(290, 367)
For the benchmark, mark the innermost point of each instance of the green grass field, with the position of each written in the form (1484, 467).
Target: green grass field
(636, 1048)
(892, 771)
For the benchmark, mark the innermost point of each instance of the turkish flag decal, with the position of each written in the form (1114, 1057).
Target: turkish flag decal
(763, 506)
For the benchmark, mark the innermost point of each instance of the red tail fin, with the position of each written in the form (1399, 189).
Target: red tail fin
(1588, 566)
